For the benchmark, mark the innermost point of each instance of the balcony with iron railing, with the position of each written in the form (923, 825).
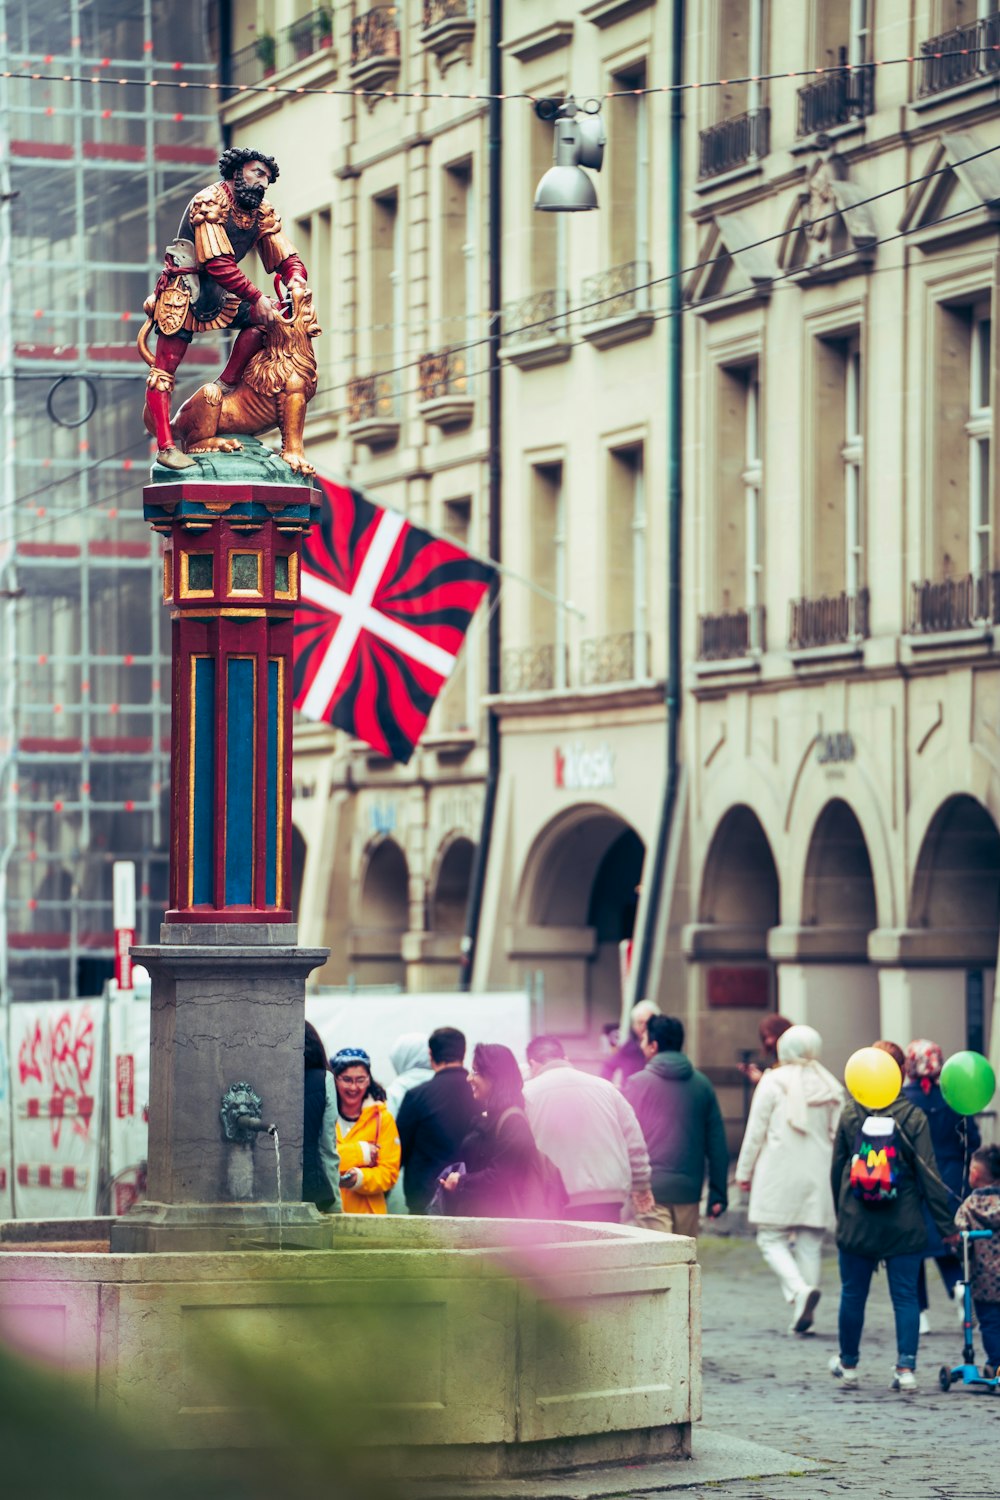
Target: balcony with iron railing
(446, 400)
(373, 410)
(305, 38)
(949, 604)
(448, 24)
(529, 669)
(830, 620)
(615, 304)
(375, 47)
(732, 635)
(614, 658)
(736, 142)
(836, 99)
(536, 329)
(960, 56)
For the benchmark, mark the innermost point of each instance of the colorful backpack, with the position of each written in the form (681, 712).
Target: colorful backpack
(875, 1165)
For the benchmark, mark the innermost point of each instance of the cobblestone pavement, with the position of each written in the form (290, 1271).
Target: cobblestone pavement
(762, 1384)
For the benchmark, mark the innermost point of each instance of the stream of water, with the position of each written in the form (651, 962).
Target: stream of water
(277, 1166)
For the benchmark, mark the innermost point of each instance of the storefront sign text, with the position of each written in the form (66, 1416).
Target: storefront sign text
(834, 749)
(579, 769)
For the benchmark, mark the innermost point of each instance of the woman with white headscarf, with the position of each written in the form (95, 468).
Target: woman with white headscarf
(784, 1164)
(411, 1058)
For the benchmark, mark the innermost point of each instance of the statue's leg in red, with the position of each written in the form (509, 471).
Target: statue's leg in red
(170, 350)
(247, 344)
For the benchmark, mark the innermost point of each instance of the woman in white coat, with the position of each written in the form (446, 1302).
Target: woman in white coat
(784, 1163)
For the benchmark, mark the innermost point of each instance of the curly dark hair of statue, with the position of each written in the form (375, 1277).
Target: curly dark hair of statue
(231, 162)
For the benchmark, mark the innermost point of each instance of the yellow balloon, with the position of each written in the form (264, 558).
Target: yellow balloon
(873, 1077)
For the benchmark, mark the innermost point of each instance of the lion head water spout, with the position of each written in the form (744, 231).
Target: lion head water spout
(241, 1124)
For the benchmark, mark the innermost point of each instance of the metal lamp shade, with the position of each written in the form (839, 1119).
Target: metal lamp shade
(565, 189)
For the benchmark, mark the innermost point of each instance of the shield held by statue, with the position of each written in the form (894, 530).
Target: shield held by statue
(172, 306)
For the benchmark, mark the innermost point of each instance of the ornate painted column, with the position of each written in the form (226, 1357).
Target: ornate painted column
(228, 979)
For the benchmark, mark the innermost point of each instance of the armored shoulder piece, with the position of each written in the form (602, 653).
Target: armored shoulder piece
(209, 212)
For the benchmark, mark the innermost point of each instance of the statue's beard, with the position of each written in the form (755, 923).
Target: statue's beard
(248, 198)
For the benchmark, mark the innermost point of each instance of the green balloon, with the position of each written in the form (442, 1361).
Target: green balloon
(968, 1083)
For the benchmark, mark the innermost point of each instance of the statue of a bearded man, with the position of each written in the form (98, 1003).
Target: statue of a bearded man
(202, 288)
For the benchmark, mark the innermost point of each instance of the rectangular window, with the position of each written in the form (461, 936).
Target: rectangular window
(627, 169)
(547, 271)
(626, 604)
(739, 546)
(547, 620)
(841, 32)
(460, 696)
(741, 55)
(952, 13)
(962, 422)
(458, 256)
(837, 449)
(386, 306)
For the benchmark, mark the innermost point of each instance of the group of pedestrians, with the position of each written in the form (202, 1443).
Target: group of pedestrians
(798, 1159)
(636, 1145)
(493, 1142)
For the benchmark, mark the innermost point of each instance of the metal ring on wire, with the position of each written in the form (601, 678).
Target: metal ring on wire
(591, 107)
(91, 389)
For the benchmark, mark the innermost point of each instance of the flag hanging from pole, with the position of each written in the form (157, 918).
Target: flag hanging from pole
(382, 613)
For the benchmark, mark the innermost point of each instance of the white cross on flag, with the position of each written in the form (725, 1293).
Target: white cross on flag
(384, 608)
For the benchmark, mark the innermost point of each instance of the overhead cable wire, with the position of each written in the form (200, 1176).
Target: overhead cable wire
(237, 90)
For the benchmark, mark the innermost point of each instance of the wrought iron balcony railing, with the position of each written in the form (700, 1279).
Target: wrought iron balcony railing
(538, 319)
(731, 635)
(836, 99)
(619, 293)
(436, 11)
(375, 34)
(528, 669)
(444, 374)
(830, 620)
(954, 603)
(959, 55)
(734, 142)
(373, 398)
(312, 33)
(610, 658)
(269, 54)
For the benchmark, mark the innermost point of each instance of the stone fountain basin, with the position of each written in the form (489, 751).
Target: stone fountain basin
(494, 1347)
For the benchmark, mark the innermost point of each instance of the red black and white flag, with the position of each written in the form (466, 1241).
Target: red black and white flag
(383, 610)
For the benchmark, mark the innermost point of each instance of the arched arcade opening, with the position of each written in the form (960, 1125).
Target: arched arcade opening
(576, 907)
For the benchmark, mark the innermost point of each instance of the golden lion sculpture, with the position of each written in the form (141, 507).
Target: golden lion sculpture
(278, 383)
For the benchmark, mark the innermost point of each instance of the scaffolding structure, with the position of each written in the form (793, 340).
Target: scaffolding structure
(94, 177)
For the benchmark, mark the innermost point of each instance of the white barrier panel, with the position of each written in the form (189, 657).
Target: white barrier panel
(128, 1099)
(56, 1067)
(376, 1021)
(6, 1162)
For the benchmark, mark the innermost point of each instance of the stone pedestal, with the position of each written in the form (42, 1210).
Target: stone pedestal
(227, 1007)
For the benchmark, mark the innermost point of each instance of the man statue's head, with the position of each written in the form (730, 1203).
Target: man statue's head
(249, 173)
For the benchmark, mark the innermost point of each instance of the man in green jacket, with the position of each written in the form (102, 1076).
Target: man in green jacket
(681, 1120)
(894, 1232)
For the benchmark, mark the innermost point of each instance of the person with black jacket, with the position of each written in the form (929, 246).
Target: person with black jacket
(434, 1118)
(893, 1231)
(680, 1117)
(320, 1158)
(503, 1176)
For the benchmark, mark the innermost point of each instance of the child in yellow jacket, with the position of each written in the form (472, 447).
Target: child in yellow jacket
(367, 1138)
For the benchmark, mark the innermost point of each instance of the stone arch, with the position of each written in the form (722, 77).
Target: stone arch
(838, 886)
(810, 798)
(576, 904)
(383, 915)
(739, 884)
(450, 887)
(956, 882)
(300, 850)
